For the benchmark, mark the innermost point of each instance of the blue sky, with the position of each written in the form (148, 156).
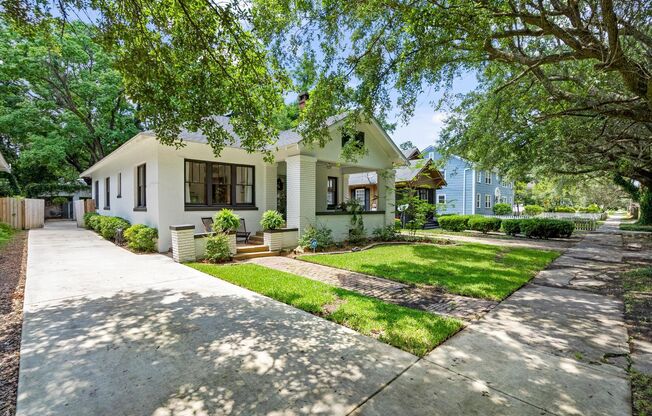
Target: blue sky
(425, 125)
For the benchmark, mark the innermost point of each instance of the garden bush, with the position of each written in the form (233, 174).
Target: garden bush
(272, 220)
(546, 228)
(225, 221)
(502, 209)
(5, 232)
(87, 218)
(565, 209)
(484, 224)
(141, 238)
(533, 210)
(387, 233)
(398, 224)
(217, 248)
(455, 222)
(592, 209)
(322, 234)
(511, 227)
(108, 226)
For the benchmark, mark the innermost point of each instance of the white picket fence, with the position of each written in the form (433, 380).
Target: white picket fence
(583, 221)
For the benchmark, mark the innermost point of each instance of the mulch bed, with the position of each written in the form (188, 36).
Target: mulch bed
(13, 257)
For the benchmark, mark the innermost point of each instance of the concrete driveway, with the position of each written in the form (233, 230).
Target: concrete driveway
(108, 332)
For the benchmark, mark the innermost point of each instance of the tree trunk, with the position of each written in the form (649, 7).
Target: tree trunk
(645, 217)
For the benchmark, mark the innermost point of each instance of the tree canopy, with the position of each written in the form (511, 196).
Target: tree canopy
(62, 106)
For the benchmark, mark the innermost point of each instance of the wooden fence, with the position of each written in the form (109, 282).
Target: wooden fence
(81, 207)
(22, 213)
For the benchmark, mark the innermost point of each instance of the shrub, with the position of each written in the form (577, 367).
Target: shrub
(563, 208)
(95, 222)
(546, 228)
(484, 224)
(322, 234)
(59, 200)
(110, 225)
(226, 221)
(533, 210)
(5, 232)
(141, 238)
(217, 248)
(398, 224)
(511, 227)
(502, 209)
(592, 209)
(455, 222)
(387, 233)
(272, 220)
(88, 219)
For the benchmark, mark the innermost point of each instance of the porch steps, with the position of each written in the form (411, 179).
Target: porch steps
(256, 238)
(251, 251)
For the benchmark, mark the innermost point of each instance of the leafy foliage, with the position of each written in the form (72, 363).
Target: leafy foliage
(546, 228)
(141, 238)
(533, 210)
(226, 221)
(484, 224)
(5, 233)
(387, 233)
(63, 105)
(92, 220)
(109, 226)
(217, 248)
(272, 220)
(455, 222)
(322, 234)
(356, 230)
(502, 209)
(511, 227)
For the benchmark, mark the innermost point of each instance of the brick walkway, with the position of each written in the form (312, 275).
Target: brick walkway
(426, 298)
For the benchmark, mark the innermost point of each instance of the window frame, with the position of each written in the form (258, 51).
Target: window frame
(119, 190)
(141, 205)
(440, 195)
(107, 193)
(487, 199)
(97, 194)
(487, 178)
(478, 200)
(334, 191)
(209, 206)
(479, 176)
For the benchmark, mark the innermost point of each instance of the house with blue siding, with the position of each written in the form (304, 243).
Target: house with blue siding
(468, 190)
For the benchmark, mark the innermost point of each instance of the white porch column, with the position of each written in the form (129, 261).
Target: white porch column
(386, 194)
(345, 193)
(301, 194)
(270, 187)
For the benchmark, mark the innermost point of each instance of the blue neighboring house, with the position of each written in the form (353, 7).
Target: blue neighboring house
(468, 190)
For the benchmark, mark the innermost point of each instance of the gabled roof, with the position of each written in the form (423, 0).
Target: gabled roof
(4, 166)
(403, 174)
(412, 153)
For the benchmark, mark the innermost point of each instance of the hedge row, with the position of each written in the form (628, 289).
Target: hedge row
(139, 237)
(531, 228)
(539, 227)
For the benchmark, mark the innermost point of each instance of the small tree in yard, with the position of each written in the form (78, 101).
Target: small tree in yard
(416, 211)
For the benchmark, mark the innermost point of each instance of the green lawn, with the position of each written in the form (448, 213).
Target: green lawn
(411, 330)
(636, 227)
(477, 270)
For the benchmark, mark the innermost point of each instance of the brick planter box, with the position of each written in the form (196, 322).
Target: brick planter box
(282, 238)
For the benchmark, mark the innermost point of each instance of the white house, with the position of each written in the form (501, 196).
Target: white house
(146, 182)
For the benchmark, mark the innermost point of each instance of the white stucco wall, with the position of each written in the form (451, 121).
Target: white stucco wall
(135, 153)
(171, 187)
(340, 224)
(322, 174)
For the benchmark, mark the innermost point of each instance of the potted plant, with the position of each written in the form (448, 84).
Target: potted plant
(275, 236)
(227, 222)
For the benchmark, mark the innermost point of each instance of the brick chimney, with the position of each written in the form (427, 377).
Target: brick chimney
(303, 98)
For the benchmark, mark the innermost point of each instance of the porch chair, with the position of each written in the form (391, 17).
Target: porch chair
(208, 224)
(242, 232)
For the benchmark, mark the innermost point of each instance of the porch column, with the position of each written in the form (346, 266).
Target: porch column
(345, 192)
(270, 187)
(301, 194)
(386, 194)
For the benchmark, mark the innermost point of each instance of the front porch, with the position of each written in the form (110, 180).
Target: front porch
(311, 191)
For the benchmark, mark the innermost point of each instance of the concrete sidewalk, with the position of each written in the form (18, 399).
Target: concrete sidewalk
(544, 350)
(109, 332)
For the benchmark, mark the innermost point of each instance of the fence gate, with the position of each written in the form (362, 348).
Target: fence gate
(22, 213)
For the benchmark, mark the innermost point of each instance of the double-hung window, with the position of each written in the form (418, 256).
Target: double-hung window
(441, 198)
(487, 201)
(331, 192)
(141, 187)
(209, 184)
(487, 177)
(479, 177)
(477, 200)
(107, 193)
